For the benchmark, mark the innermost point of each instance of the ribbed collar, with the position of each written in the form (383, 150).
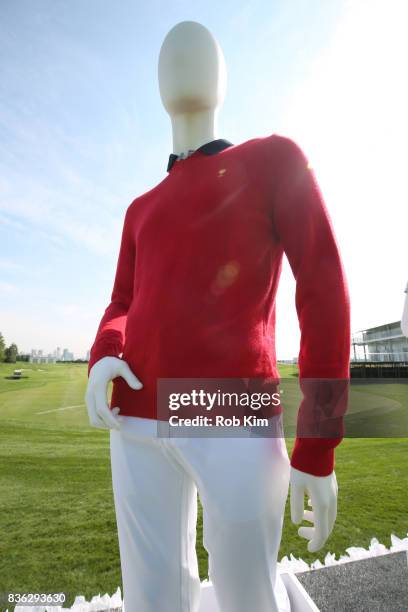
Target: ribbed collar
(209, 148)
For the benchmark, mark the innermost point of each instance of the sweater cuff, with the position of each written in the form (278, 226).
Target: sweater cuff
(107, 352)
(314, 455)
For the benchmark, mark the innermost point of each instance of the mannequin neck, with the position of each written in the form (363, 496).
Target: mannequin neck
(193, 129)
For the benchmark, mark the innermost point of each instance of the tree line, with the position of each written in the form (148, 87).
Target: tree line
(9, 354)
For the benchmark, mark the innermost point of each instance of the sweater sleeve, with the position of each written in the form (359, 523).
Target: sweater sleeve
(303, 226)
(110, 336)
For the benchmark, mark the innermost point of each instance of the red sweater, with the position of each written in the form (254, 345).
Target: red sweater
(197, 275)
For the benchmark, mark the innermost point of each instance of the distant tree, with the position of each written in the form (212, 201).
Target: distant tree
(11, 353)
(2, 347)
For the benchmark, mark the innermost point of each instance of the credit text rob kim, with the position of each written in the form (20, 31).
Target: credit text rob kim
(218, 399)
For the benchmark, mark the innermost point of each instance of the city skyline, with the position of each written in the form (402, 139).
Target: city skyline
(59, 354)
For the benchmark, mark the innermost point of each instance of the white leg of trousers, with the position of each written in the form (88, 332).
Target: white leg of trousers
(156, 515)
(243, 485)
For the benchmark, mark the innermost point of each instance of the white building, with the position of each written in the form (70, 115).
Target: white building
(382, 343)
(67, 355)
(39, 357)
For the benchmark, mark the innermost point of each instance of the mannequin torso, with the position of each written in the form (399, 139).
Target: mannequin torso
(192, 81)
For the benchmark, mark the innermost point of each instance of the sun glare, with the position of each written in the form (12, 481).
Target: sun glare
(350, 117)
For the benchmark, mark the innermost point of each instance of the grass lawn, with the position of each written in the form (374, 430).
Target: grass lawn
(57, 521)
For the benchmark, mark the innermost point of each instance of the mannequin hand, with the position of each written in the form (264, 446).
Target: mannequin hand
(322, 491)
(101, 373)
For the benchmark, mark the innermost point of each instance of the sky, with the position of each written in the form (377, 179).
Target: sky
(83, 132)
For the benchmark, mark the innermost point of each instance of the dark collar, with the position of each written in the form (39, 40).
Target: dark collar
(209, 148)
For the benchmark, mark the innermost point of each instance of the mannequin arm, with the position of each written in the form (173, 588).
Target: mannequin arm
(302, 226)
(110, 336)
(104, 363)
(404, 318)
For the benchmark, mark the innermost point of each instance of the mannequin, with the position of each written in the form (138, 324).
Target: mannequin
(192, 82)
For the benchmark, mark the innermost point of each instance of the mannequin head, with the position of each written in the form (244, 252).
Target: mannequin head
(192, 72)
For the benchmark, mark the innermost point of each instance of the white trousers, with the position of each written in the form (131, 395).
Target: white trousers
(243, 485)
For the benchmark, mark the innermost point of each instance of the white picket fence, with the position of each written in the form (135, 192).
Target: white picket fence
(287, 565)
